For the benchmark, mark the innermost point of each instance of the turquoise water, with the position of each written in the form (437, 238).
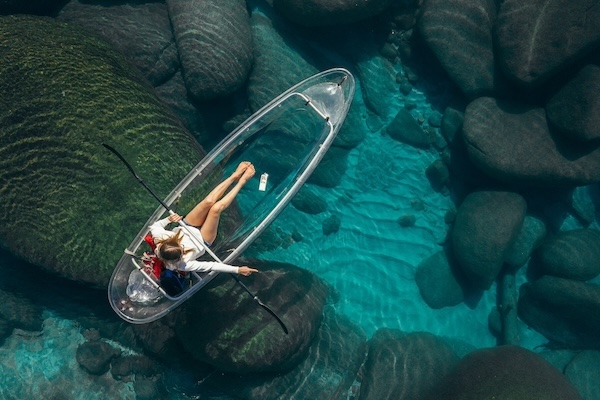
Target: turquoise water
(370, 262)
(43, 365)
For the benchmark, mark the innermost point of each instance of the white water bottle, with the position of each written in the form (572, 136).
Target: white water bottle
(262, 186)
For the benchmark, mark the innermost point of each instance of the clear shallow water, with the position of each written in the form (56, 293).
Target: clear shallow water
(371, 260)
(34, 366)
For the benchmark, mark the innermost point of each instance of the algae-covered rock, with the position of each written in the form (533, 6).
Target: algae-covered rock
(224, 327)
(332, 363)
(69, 205)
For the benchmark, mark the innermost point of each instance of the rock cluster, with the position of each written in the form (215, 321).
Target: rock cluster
(524, 145)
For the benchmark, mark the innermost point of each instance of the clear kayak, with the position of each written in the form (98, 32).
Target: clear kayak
(285, 140)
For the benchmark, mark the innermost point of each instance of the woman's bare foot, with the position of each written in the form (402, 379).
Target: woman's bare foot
(241, 168)
(248, 173)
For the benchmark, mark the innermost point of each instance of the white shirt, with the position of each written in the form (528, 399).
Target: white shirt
(188, 261)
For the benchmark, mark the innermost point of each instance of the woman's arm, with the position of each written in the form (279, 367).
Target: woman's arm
(207, 266)
(157, 229)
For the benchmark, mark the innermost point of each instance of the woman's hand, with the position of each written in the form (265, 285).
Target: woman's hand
(246, 270)
(175, 217)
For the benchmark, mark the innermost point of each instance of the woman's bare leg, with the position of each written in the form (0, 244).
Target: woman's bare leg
(198, 214)
(210, 227)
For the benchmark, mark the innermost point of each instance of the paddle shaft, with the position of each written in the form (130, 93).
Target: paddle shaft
(193, 236)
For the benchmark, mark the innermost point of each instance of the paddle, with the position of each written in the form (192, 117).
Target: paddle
(193, 236)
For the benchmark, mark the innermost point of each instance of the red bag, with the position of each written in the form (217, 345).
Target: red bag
(152, 264)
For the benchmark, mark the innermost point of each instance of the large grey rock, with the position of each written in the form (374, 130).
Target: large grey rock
(224, 327)
(377, 80)
(404, 366)
(563, 310)
(329, 12)
(141, 32)
(452, 122)
(514, 144)
(308, 201)
(486, 225)
(215, 46)
(571, 254)
(575, 109)
(73, 206)
(459, 32)
(505, 372)
(530, 236)
(438, 282)
(405, 128)
(536, 39)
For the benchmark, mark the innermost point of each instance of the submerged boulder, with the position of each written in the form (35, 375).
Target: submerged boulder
(563, 310)
(74, 207)
(486, 225)
(459, 32)
(439, 282)
(537, 39)
(529, 237)
(505, 372)
(404, 366)
(571, 254)
(575, 109)
(406, 129)
(225, 328)
(513, 143)
(214, 40)
(141, 32)
(333, 361)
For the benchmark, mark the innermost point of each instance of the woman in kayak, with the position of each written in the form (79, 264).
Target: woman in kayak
(178, 251)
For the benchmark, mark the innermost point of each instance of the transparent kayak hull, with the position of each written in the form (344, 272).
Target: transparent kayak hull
(285, 140)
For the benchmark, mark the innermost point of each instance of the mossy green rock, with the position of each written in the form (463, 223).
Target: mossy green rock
(68, 204)
(222, 325)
